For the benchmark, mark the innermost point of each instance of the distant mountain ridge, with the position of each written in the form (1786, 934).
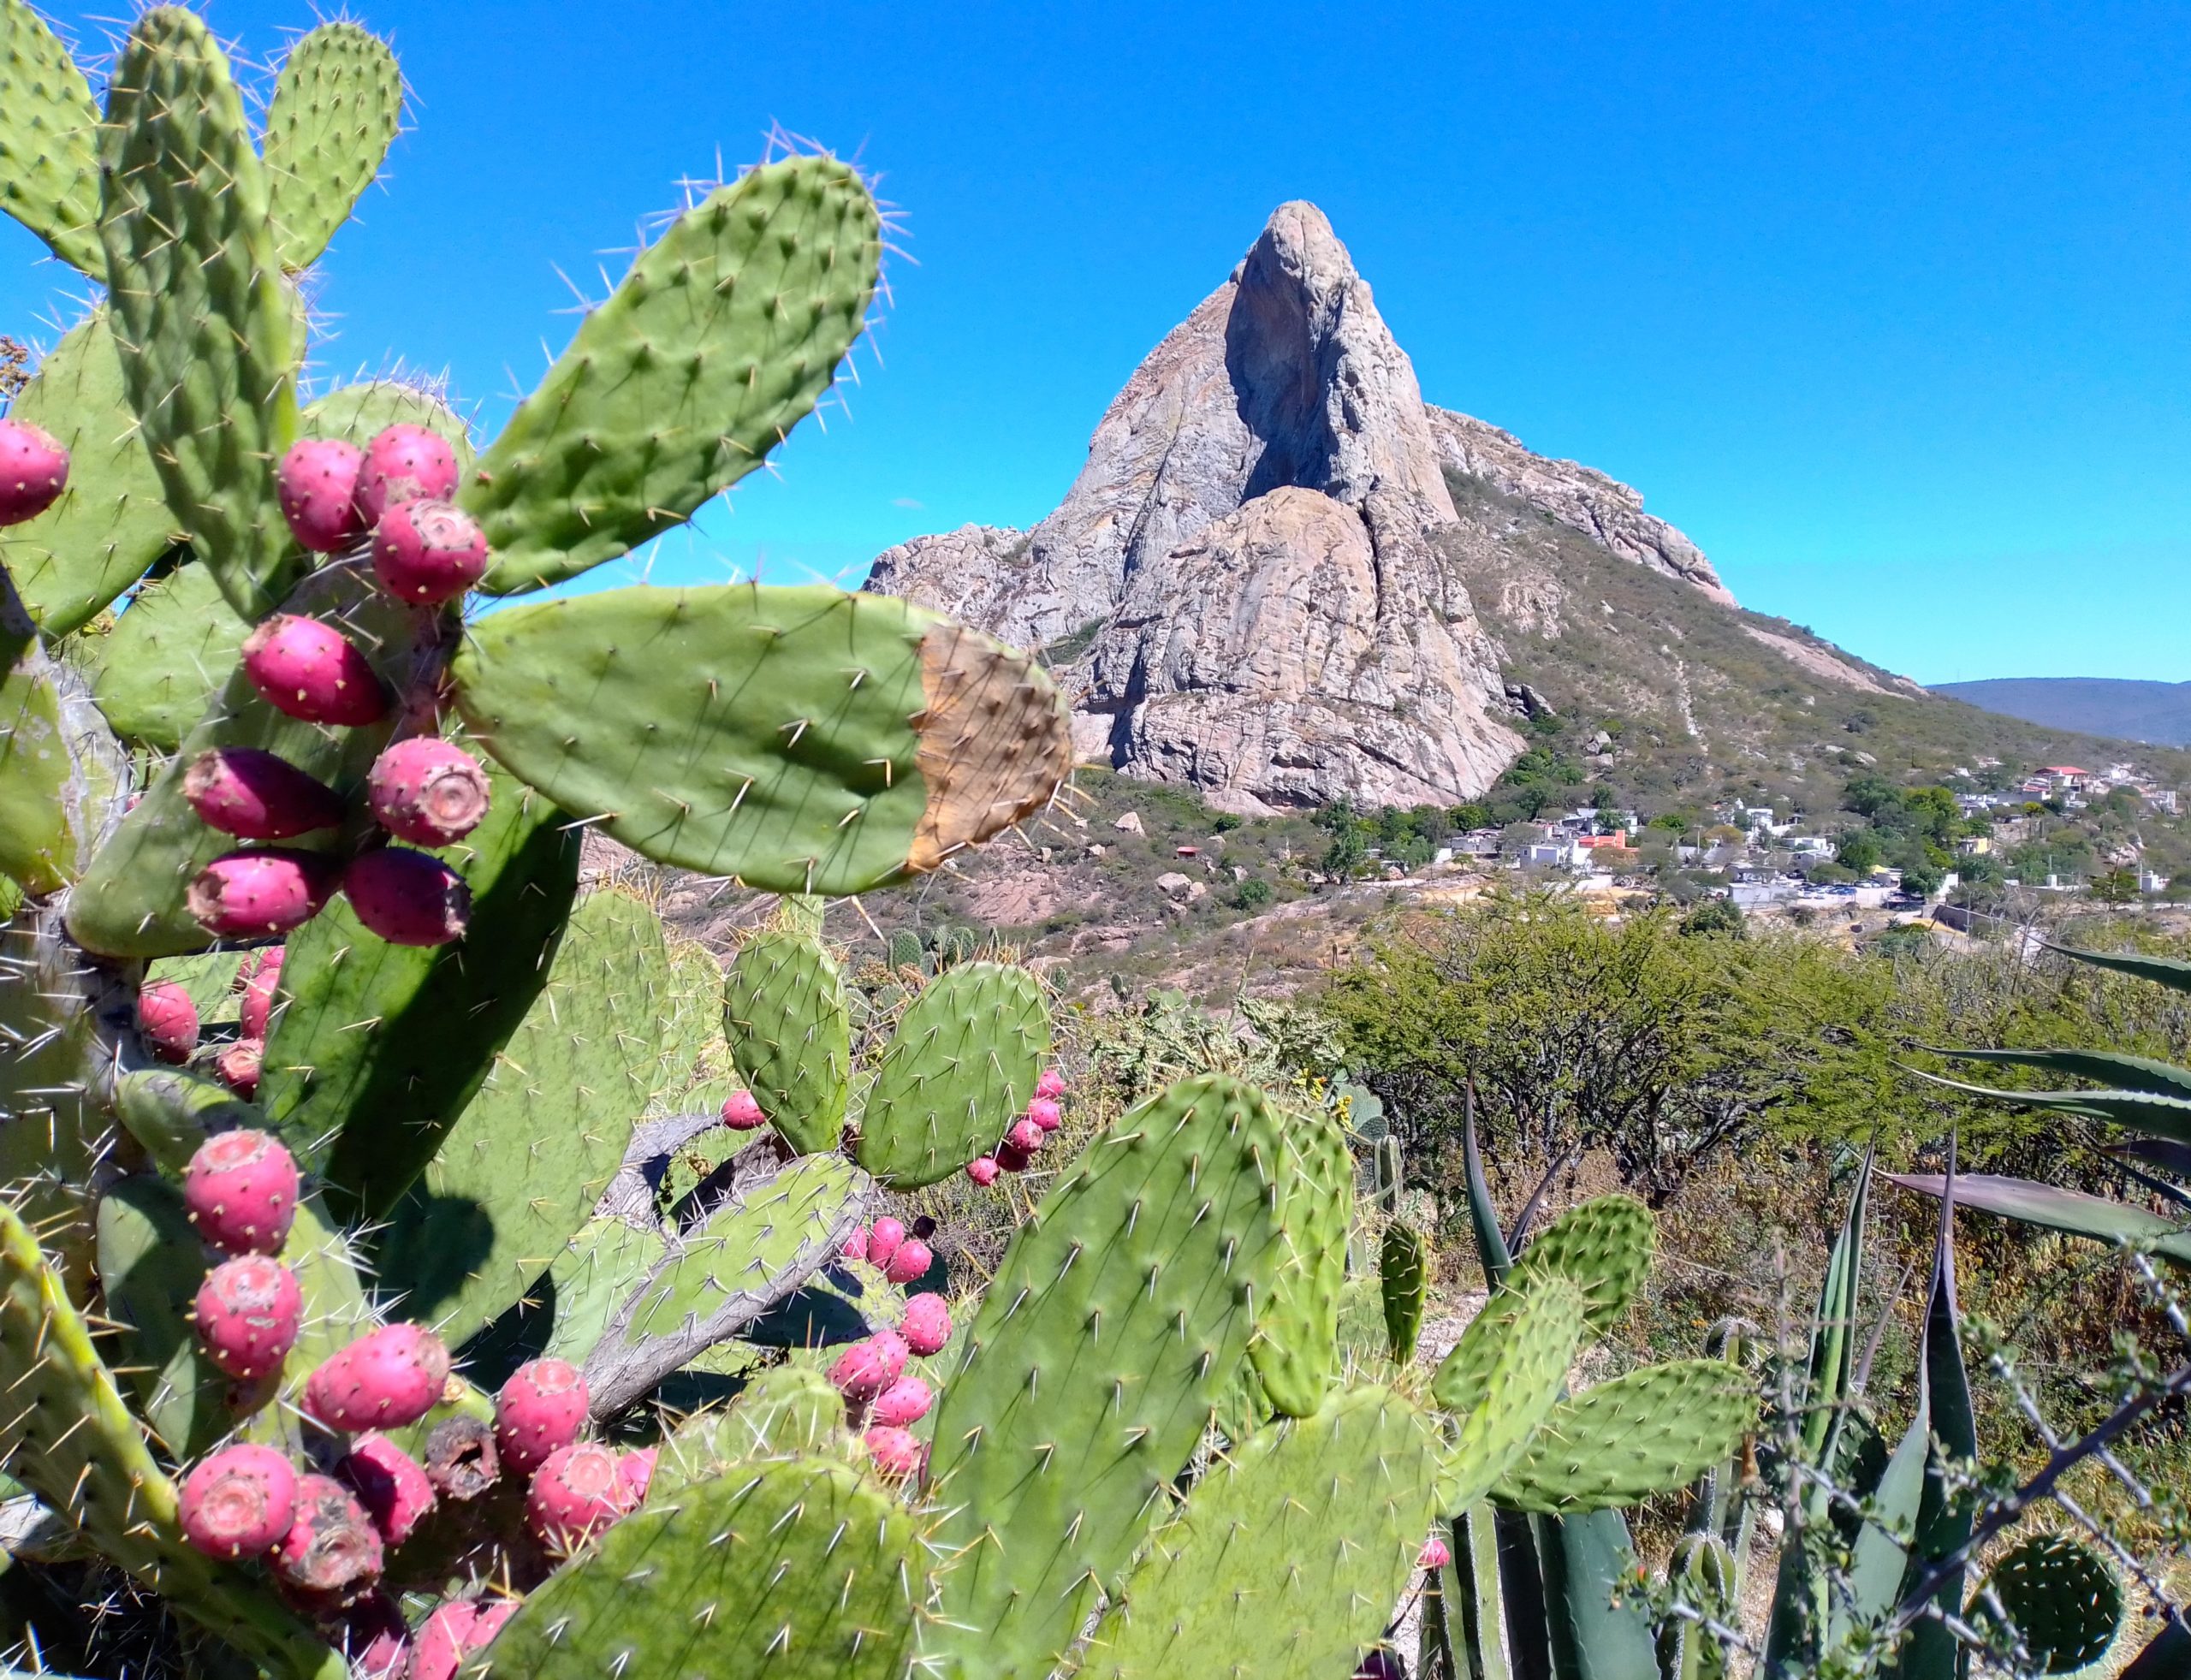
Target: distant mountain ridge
(2124, 707)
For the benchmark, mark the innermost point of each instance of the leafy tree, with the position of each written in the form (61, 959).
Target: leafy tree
(1859, 851)
(1252, 893)
(1715, 916)
(1921, 880)
(2115, 886)
(1474, 814)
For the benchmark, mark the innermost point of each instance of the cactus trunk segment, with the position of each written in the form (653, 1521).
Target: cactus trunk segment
(1295, 1349)
(70, 1439)
(112, 521)
(151, 1261)
(1119, 1313)
(382, 1047)
(336, 107)
(960, 1068)
(1401, 1277)
(62, 776)
(207, 339)
(791, 1570)
(1649, 1432)
(790, 1033)
(167, 657)
(724, 333)
(824, 743)
(49, 140)
(1287, 1557)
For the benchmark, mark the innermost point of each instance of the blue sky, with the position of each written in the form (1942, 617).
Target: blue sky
(1888, 306)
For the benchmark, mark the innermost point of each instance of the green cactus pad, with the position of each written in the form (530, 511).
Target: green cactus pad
(777, 1229)
(523, 1164)
(821, 742)
(960, 1070)
(790, 1034)
(724, 333)
(112, 521)
(151, 1261)
(1649, 1432)
(793, 1569)
(131, 902)
(69, 1439)
(1287, 1557)
(210, 978)
(167, 658)
(48, 139)
(337, 104)
(1295, 1349)
(1603, 1245)
(62, 776)
(358, 413)
(1502, 1381)
(170, 1112)
(593, 1278)
(784, 1411)
(1402, 1276)
(1120, 1311)
(2064, 1601)
(204, 324)
(381, 1045)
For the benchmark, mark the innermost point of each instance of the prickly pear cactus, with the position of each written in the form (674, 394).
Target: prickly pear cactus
(966, 1056)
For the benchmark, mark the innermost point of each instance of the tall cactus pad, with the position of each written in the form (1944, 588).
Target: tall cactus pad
(1287, 1557)
(382, 1046)
(1603, 1246)
(1295, 1349)
(62, 776)
(69, 1438)
(335, 109)
(48, 139)
(1649, 1432)
(168, 656)
(961, 1068)
(2064, 1601)
(1402, 1276)
(112, 521)
(208, 342)
(821, 742)
(151, 1261)
(722, 336)
(794, 1570)
(1502, 1381)
(1121, 1310)
(790, 1034)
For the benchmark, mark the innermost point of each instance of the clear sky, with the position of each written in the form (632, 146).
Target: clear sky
(1888, 306)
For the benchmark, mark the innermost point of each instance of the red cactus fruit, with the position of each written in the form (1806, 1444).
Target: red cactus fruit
(927, 1323)
(636, 1468)
(243, 895)
(1013, 1159)
(741, 1112)
(34, 471)
(1436, 1554)
(910, 1260)
(896, 1452)
(386, 1378)
(169, 1021)
(1045, 1114)
(372, 1634)
(577, 1492)
(542, 1407)
(257, 795)
(247, 1314)
(453, 1632)
(856, 1245)
(388, 1482)
(983, 1170)
(240, 1191)
(1024, 1135)
(1050, 1084)
(406, 897)
(882, 1239)
(461, 1462)
(259, 980)
(428, 791)
(239, 1502)
(428, 552)
(239, 1066)
(318, 485)
(310, 670)
(402, 464)
(906, 1402)
(332, 1548)
(868, 1366)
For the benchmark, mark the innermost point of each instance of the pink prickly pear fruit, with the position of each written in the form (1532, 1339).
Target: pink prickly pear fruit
(239, 1066)
(636, 1468)
(910, 1260)
(247, 1314)
(1050, 1084)
(402, 464)
(373, 1636)
(868, 1366)
(856, 1245)
(576, 1492)
(453, 1632)
(882, 1239)
(386, 1379)
(167, 1019)
(542, 1407)
(1025, 1136)
(741, 1111)
(260, 981)
(318, 485)
(388, 1482)
(1436, 1554)
(240, 1191)
(1013, 1159)
(257, 795)
(896, 1451)
(460, 1457)
(905, 1401)
(34, 471)
(239, 1502)
(428, 791)
(927, 1323)
(310, 670)
(243, 895)
(1045, 1114)
(983, 1170)
(406, 897)
(428, 552)
(332, 1548)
